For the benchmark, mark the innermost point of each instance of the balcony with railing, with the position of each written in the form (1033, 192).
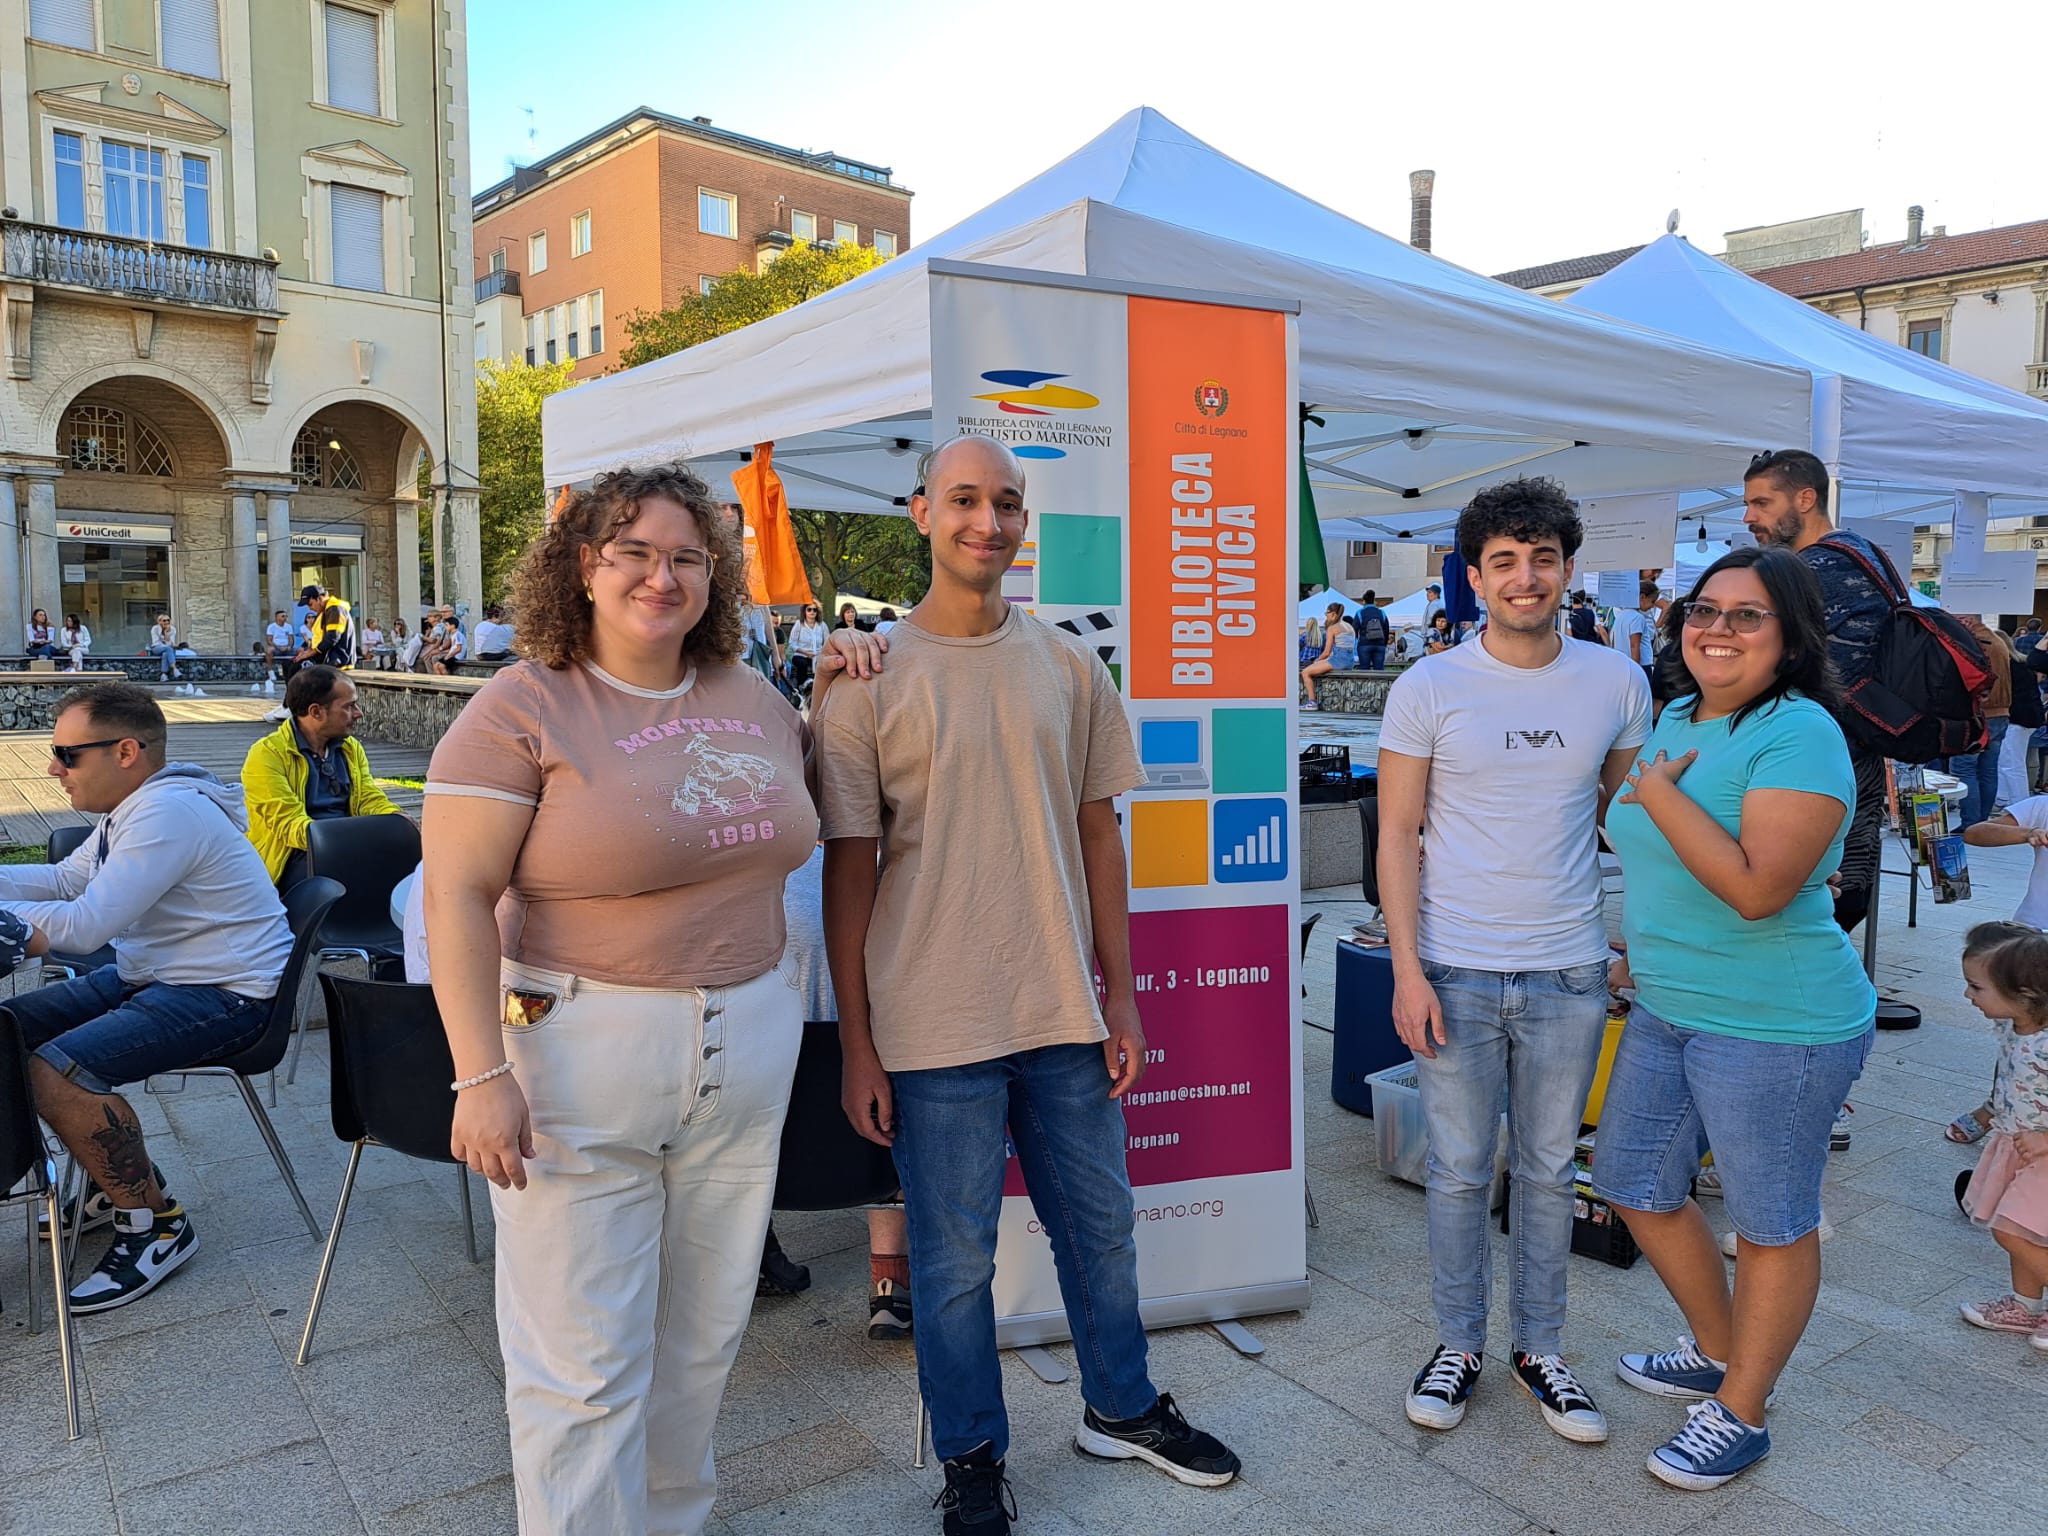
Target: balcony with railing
(2037, 380)
(137, 270)
(491, 284)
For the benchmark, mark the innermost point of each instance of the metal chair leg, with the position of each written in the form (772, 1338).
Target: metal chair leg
(277, 1152)
(348, 1184)
(35, 1290)
(468, 1214)
(63, 1309)
(1309, 1195)
(922, 1425)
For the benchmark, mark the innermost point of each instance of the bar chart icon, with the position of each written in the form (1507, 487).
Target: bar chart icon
(1251, 840)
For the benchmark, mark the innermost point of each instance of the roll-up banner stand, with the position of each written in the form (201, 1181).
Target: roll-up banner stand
(1158, 434)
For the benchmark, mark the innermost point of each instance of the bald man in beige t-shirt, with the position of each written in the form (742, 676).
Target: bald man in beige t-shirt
(980, 767)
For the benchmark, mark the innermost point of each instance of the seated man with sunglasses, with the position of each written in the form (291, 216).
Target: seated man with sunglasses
(170, 879)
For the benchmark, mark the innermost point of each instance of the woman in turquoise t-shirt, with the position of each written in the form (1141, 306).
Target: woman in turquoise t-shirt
(1753, 1016)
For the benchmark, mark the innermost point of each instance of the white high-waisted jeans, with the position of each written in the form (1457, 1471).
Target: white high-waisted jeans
(626, 1267)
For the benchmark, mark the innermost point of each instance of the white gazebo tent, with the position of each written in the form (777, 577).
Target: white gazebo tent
(1901, 433)
(1432, 380)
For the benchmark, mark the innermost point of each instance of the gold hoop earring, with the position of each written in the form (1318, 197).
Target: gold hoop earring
(587, 596)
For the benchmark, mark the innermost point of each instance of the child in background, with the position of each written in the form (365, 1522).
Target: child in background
(2005, 974)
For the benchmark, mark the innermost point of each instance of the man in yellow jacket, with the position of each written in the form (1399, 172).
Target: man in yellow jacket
(307, 770)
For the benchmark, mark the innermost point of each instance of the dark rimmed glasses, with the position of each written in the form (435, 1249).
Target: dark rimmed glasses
(1745, 620)
(67, 757)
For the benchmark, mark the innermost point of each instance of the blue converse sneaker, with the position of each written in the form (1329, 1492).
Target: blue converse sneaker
(1713, 1447)
(1680, 1372)
(137, 1262)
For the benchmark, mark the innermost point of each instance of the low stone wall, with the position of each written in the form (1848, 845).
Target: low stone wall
(1332, 846)
(1354, 693)
(28, 700)
(146, 669)
(411, 710)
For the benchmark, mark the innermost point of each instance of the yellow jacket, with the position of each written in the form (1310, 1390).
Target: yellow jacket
(274, 778)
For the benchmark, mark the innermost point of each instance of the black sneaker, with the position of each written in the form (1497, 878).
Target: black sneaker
(1437, 1399)
(976, 1499)
(1567, 1407)
(780, 1274)
(889, 1312)
(1163, 1438)
(99, 1207)
(137, 1262)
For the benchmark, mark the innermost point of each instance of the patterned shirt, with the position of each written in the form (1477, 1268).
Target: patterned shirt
(2019, 1093)
(1855, 608)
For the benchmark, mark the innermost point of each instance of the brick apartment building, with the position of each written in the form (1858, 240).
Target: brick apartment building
(645, 210)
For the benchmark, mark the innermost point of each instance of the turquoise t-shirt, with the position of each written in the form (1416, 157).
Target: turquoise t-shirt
(1793, 978)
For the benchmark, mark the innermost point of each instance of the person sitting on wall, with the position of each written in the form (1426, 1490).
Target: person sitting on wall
(494, 636)
(40, 638)
(76, 640)
(309, 769)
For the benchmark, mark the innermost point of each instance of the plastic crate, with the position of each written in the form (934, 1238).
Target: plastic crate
(1325, 775)
(1403, 1136)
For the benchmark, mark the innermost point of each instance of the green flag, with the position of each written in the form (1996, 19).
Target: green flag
(1314, 567)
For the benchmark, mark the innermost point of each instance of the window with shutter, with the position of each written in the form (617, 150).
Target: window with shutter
(63, 21)
(357, 223)
(191, 32)
(352, 74)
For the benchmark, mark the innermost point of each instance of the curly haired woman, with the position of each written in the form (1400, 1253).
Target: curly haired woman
(622, 806)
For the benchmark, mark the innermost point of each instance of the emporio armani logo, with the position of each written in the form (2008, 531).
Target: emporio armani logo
(1535, 740)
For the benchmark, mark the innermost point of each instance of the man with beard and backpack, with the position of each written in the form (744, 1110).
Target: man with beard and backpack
(1373, 634)
(1913, 679)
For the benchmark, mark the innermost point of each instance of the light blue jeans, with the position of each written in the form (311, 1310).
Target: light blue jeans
(1530, 1039)
(1979, 773)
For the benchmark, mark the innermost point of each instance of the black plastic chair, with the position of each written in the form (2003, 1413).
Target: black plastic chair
(391, 1074)
(63, 842)
(369, 855)
(825, 1164)
(305, 904)
(24, 1156)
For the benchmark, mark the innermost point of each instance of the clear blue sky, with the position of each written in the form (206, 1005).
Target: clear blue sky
(1553, 132)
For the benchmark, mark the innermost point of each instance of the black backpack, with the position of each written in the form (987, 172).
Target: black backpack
(1372, 627)
(1924, 697)
(1584, 625)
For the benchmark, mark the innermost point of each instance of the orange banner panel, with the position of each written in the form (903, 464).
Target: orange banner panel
(1211, 616)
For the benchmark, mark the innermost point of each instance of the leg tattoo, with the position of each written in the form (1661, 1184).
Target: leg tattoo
(124, 1171)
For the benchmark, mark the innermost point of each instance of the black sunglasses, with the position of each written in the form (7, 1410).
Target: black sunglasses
(68, 756)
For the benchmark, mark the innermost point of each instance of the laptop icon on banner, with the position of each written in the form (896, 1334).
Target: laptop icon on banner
(1171, 753)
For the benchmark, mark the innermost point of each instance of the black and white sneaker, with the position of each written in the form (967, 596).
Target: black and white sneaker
(976, 1499)
(1567, 1407)
(137, 1262)
(1163, 1438)
(1437, 1400)
(780, 1274)
(99, 1208)
(889, 1312)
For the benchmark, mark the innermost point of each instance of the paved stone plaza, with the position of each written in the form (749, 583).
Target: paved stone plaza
(1893, 1417)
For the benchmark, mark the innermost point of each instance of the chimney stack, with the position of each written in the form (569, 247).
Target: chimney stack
(1421, 193)
(1914, 215)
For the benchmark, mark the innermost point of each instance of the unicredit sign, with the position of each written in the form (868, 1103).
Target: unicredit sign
(111, 533)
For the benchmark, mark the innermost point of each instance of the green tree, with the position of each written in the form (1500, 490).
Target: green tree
(883, 557)
(513, 502)
(742, 297)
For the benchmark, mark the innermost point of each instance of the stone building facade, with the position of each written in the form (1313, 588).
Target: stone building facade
(234, 263)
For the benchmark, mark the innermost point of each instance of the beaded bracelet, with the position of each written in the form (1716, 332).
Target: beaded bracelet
(482, 1077)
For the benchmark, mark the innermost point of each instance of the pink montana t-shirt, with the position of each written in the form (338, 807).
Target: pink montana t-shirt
(663, 824)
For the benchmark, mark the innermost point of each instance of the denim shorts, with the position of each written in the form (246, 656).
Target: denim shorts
(1765, 1109)
(100, 1032)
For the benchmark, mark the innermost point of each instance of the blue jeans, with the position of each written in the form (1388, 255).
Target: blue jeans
(166, 657)
(1766, 1108)
(1372, 658)
(1533, 1039)
(949, 1149)
(1979, 773)
(101, 1032)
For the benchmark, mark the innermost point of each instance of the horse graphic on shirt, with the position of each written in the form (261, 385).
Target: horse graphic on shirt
(713, 774)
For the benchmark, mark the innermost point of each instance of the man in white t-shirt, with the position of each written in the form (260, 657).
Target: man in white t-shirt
(1507, 750)
(2025, 822)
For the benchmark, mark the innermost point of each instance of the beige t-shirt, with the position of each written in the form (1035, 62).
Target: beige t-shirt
(663, 826)
(970, 758)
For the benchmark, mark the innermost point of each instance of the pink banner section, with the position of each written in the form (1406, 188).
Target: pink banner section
(1213, 992)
